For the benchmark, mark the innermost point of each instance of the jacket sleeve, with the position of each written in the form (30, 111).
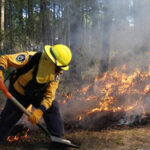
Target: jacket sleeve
(50, 96)
(14, 60)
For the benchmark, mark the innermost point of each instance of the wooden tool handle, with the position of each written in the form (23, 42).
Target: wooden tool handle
(13, 99)
(4, 89)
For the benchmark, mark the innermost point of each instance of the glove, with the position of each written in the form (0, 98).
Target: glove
(35, 116)
(1, 75)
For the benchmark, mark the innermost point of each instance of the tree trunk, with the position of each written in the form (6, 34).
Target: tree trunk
(75, 41)
(30, 21)
(107, 22)
(2, 24)
(67, 24)
(53, 25)
(45, 22)
(20, 2)
(11, 29)
(95, 30)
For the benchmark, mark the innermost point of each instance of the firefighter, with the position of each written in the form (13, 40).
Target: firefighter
(34, 81)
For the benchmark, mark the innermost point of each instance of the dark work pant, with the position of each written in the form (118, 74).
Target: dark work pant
(10, 115)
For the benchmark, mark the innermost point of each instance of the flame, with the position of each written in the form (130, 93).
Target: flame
(18, 136)
(147, 89)
(21, 134)
(63, 101)
(85, 89)
(79, 118)
(25, 134)
(115, 91)
(12, 138)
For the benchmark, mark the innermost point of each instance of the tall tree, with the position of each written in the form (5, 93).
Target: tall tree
(54, 23)
(67, 24)
(30, 19)
(2, 24)
(44, 11)
(21, 22)
(75, 38)
(107, 23)
(11, 29)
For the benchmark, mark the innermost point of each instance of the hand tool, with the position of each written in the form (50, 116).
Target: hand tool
(53, 139)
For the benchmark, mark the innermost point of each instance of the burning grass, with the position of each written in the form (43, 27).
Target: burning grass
(19, 132)
(118, 95)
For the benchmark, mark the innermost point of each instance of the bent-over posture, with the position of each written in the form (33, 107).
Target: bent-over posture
(35, 82)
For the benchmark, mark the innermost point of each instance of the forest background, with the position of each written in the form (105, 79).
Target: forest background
(102, 34)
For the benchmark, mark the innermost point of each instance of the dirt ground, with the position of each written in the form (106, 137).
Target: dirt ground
(137, 138)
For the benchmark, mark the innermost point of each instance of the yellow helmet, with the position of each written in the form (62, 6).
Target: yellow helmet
(60, 54)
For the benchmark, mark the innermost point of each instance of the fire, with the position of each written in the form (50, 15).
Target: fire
(116, 91)
(18, 136)
(91, 97)
(12, 138)
(85, 89)
(79, 118)
(63, 101)
(147, 89)
(20, 132)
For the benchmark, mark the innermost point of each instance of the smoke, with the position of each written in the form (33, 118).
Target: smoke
(128, 37)
(130, 32)
(115, 98)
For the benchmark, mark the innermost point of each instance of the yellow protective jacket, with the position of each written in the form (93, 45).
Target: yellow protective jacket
(19, 60)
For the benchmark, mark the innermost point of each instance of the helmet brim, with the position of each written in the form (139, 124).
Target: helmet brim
(65, 68)
(47, 50)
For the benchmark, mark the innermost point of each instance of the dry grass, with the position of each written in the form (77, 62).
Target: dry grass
(127, 139)
(111, 139)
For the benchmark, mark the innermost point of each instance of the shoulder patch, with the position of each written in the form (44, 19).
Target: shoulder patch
(20, 58)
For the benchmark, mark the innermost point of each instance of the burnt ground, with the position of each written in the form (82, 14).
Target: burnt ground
(135, 138)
